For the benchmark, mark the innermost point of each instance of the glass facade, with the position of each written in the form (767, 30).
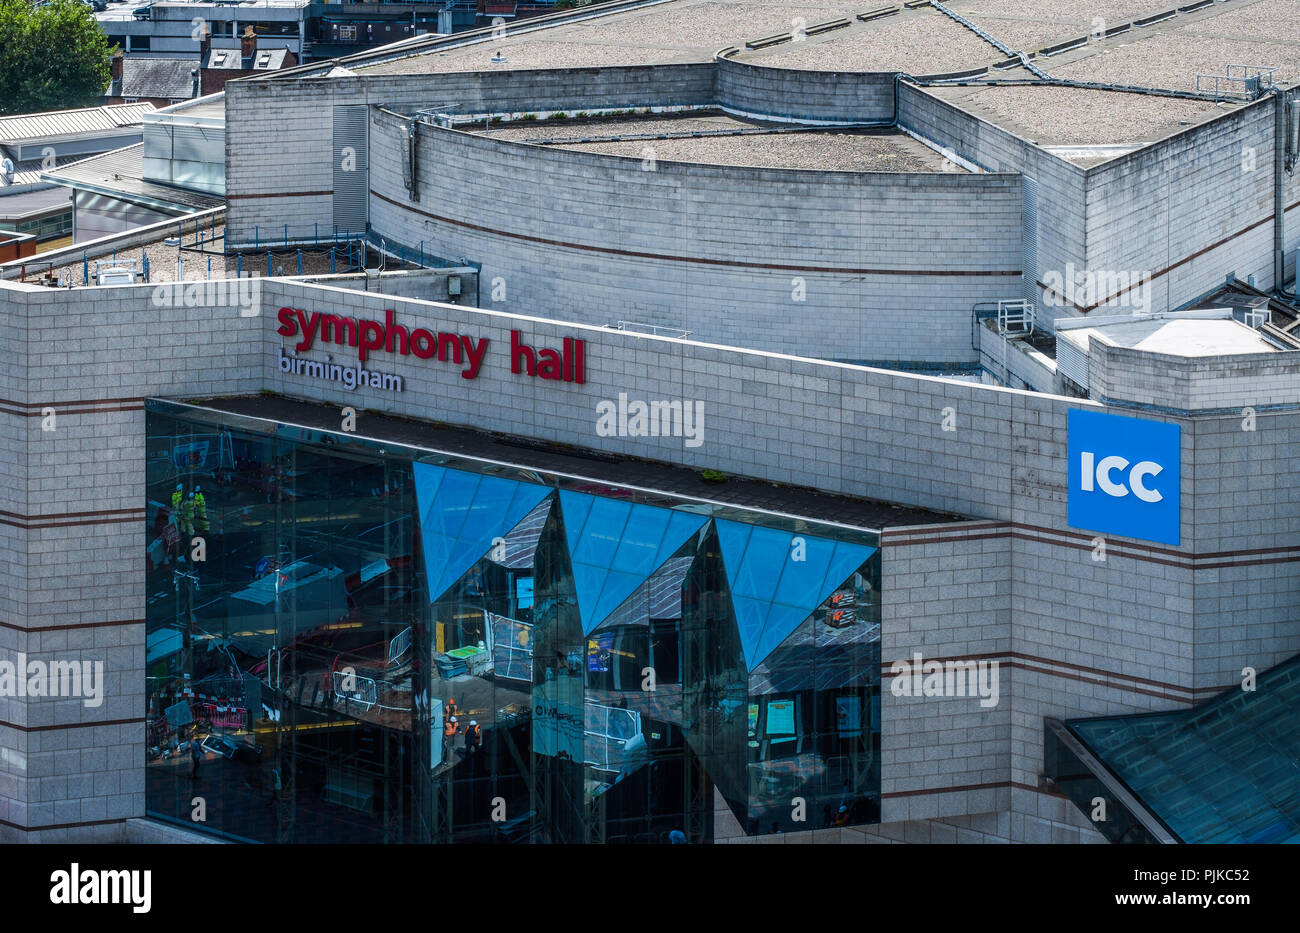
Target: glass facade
(356, 641)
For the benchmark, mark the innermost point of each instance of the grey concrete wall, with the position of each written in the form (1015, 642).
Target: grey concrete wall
(77, 519)
(1291, 211)
(946, 595)
(425, 284)
(1015, 363)
(805, 95)
(1147, 628)
(1125, 376)
(286, 177)
(889, 262)
(1159, 209)
(1060, 232)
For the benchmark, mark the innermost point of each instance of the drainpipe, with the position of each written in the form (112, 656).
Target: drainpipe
(1281, 142)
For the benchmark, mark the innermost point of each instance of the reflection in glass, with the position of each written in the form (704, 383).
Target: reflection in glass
(378, 644)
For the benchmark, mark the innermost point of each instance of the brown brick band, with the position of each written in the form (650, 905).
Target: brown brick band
(700, 260)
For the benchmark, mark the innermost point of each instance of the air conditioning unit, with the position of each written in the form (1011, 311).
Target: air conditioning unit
(115, 273)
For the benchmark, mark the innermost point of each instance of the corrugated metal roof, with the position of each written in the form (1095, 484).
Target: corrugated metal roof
(57, 123)
(28, 171)
(119, 173)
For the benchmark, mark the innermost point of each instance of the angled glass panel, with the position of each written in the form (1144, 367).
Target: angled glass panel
(462, 514)
(615, 546)
(777, 582)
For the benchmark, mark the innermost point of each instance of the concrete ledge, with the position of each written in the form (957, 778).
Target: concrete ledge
(112, 242)
(952, 75)
(1064, 46)
(152, 832)
(869, 15)
(768, 41)
(1158, 18)
(819, 28)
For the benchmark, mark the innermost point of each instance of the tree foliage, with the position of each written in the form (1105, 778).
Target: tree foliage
(52, 57)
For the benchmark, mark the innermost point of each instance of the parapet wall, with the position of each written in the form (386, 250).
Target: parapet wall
(796, 94)
(844, 265)
(1145, 628)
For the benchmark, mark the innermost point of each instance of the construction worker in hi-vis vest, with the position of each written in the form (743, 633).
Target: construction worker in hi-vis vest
(201, 509)
(177, 496)
(187, 517)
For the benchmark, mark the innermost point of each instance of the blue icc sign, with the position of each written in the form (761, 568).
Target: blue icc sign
(1124, 476)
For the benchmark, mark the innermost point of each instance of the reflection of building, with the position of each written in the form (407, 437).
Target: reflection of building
(624, 653)
(479, 516)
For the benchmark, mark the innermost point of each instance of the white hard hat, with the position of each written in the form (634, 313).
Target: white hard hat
(453, 718)
(473, 722)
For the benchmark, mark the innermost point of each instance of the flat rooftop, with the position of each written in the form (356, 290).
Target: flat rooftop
(918, 42)
(201, 254)
(211, 107)
(1168, 55)
(120, 174)
(728, 140)
(1029, 25)
(1173, 336)
(600, 467)
(1050, 116)
(673, 32)
(124, 10)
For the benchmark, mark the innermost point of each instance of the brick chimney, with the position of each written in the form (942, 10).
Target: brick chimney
(248, 43)
(205, 45)
(115, 66)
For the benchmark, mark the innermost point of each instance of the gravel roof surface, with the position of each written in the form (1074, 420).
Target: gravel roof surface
(918, 42)
(525, 54)
(162, 261)
(681, 31)
(1051, 115)
(1173, 60)
(547, 129)
(1114, 12)
(1029, 35)
(713, 24)
(1265, 19)
(845, 152)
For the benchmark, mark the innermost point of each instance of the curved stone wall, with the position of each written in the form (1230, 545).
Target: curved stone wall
(804, 95)
(842, 265)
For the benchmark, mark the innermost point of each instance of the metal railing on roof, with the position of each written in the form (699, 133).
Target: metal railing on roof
(652, 329)
(1252, 83)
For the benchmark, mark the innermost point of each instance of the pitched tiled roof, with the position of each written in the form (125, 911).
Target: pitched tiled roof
(167, 78)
